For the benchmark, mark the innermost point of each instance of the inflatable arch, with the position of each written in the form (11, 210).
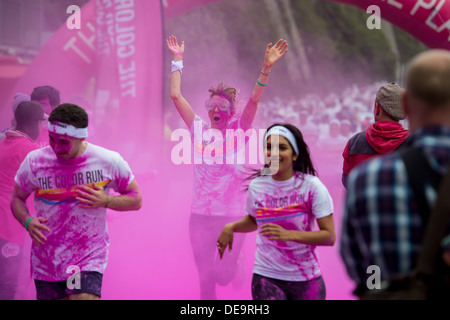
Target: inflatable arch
(426, 20)
(119, 47)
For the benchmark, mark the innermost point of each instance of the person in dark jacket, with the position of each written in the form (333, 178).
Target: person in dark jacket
(384, 136)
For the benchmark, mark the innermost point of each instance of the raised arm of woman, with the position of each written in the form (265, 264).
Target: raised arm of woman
(184, 108)
(272, 55)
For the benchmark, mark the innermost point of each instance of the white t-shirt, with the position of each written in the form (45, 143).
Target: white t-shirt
(218, 187)
(79, 236)
(294, 204)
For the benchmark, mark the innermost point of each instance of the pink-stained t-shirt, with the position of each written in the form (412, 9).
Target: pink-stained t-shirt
(13, 149)
(79, 236)
(218, 186)
(294, 204)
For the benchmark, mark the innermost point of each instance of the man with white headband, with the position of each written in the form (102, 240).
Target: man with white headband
(71, 179)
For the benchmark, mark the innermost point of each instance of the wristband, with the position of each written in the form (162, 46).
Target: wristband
(261, 84)
(177, 66)
(28, 221)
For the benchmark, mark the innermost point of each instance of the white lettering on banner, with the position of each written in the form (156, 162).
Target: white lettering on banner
(434, 6)
(125, 38)
(395, 3)
(89, 41)
(127, 79)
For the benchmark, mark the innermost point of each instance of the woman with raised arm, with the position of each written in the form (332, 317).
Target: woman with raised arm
(217, 196)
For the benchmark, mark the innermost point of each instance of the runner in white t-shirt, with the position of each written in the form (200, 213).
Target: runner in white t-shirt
(284, 207)
(71, 180)
(217, 187)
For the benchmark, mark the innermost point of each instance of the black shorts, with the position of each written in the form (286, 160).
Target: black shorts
(90, 282)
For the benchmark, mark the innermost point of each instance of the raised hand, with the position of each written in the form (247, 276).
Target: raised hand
(174, 47)
(275, 52)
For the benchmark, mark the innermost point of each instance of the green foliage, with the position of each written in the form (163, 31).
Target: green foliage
(340, 49)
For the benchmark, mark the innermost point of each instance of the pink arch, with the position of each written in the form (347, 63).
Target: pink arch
(426, 20)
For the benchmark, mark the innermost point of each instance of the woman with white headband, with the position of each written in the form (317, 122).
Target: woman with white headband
(283, 206)
(217, 198)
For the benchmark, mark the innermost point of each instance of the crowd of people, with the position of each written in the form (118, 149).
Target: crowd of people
(356, 136)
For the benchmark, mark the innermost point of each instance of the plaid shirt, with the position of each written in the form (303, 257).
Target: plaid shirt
(382, 225)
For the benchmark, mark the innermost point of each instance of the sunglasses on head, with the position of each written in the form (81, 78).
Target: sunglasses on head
(221, 103)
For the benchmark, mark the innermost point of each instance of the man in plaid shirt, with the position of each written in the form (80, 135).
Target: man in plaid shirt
(382, 225)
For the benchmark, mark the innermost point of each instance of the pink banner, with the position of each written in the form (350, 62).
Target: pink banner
(113, 63)
(129, 73)
(426, 20)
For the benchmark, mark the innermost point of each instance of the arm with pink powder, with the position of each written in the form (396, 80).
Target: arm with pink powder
(183, 107)
(272, 55)
(35, 226)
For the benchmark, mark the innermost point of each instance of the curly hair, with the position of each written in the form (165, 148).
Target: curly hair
(70, 114)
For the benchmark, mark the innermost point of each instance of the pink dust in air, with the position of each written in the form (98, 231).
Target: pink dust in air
(150, 255)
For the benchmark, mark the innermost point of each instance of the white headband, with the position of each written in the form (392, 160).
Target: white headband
(284, 132)
(67, 129)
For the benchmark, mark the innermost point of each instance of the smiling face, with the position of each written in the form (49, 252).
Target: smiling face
(66, 147)
(283, 155)
(219, 112)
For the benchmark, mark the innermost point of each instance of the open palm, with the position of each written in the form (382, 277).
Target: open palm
(174, 47)
(275, 52)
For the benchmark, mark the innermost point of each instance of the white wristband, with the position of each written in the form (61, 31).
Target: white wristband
(177, 65)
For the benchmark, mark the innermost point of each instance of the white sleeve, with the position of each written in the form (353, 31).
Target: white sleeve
(25, 178)
(320, 199)
(122, 174)
(250, 207)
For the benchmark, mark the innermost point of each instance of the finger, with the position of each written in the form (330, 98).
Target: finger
(83, 200)
(220, 247)
(278, 43)
(86, 196)
(38, 237)
(283, 46)
(84, 190)
(97, 186)
(43, 227)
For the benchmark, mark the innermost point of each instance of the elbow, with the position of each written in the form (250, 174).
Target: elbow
(331, 240)
(138, 204)
(175, 95)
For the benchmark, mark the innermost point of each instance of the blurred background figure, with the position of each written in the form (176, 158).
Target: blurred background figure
(18, 98)
(18, 142)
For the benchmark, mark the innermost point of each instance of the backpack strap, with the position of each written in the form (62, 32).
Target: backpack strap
(419, 172)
